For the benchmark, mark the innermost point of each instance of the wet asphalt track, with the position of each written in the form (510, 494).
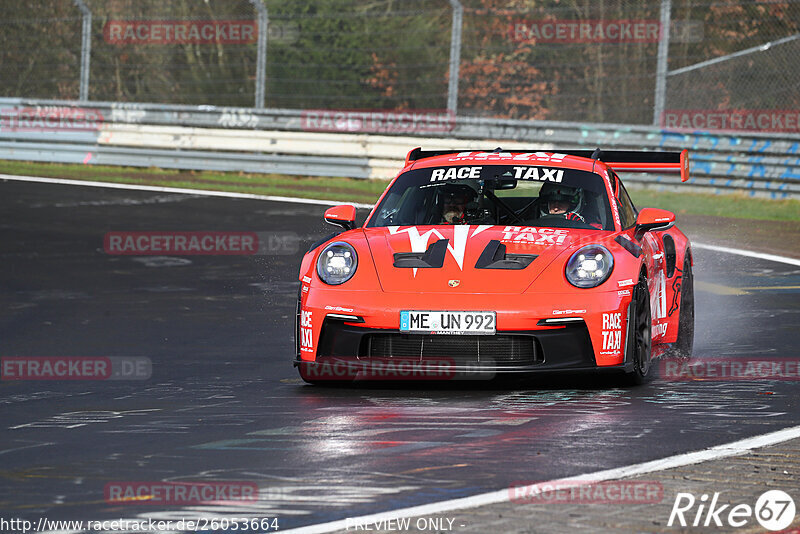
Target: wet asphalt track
(224, 402)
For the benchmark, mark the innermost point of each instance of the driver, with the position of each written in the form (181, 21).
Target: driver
(556, 199)
(454, 200)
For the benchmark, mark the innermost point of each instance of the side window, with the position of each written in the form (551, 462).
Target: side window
(627, 212)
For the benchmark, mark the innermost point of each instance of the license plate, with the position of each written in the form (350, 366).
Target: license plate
(448, 322)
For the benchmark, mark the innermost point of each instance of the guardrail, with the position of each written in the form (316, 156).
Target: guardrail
(244, 139)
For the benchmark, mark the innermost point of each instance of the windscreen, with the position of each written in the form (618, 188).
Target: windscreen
(498, 195)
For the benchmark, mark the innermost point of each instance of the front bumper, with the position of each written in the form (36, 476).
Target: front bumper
(362, 330)
(348, 351)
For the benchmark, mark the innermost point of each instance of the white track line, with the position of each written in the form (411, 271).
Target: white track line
(748, 253)
(714, 453)
(199, 192)
(204, 192)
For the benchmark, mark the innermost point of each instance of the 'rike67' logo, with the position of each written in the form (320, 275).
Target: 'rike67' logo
(774, 510)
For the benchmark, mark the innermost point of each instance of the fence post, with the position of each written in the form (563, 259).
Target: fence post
(86, 48)
(661, 66)
(261, 58)
(455, 57)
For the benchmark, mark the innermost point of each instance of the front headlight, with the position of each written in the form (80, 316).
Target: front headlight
(337, 263)
(589, 266)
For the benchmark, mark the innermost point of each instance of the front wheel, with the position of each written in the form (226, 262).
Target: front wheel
(643, 368)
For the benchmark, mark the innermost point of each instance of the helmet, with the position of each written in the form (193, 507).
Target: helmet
(458, 195)
(550, 192)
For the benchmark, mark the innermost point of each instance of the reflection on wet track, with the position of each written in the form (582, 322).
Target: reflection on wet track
(225, 404)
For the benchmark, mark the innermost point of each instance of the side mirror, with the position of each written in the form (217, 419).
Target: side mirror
(653, 219)
(344, 216)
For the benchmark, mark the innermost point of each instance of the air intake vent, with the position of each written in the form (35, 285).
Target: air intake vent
(500, 350)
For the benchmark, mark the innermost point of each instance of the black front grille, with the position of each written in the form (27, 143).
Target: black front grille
(499, 350)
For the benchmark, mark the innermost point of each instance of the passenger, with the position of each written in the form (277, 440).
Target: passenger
(454, 200)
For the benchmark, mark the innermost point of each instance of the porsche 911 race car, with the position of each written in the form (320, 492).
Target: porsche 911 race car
(477, 263)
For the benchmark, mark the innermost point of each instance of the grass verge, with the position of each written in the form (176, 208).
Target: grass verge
(368, 191)
(738, 206)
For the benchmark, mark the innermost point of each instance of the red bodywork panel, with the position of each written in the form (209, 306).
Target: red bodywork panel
(378, 291)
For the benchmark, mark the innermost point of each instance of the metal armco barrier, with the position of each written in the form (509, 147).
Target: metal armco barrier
(250, 140)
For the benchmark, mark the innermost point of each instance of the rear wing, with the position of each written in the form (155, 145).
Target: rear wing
(623, 160)
(644, 161)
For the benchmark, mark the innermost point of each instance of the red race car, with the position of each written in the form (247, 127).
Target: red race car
(478, 263)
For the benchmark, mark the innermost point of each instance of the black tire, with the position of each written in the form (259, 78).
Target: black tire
(685, 340)
(642, 344)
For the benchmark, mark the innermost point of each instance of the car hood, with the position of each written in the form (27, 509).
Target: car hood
(465, 245)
